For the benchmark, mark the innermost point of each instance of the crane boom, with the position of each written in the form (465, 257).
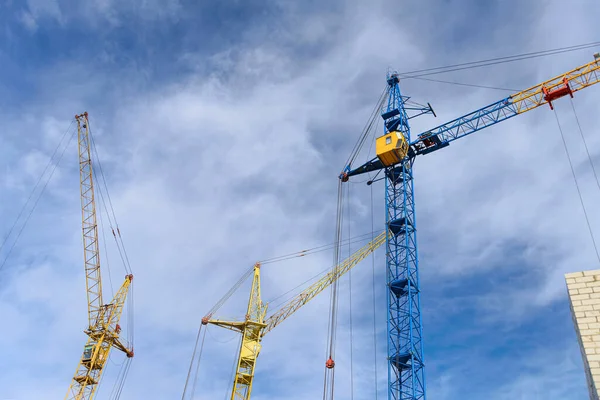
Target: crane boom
(312, 291)
(255, 326)
(395, 154)
(439, 137)
(91, 253)
(103, 319)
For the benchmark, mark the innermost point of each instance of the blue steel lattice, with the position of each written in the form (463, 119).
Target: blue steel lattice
(406, 374)
(404, 330)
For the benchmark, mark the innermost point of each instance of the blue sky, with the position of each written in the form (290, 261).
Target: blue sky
(222, 127)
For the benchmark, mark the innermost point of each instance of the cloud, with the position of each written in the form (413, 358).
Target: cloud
(237, 160)
(29, 21)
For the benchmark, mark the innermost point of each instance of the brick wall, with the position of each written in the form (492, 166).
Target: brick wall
(584, 295)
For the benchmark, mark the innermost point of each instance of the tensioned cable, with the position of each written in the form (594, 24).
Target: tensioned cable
(103, 204)
(329, 377)
(585, 143)
(193, 362)
(115, 388)
(103, 187)
(275, 306)
(126, 262)
(350, 302)
(329, 247)
(577, 185)
(374, 297)
(465, 84)
(323, 272)
(227, 295)
(367, 129)
(112, 292)
(35, 186)
(36, 202)
(228, 340)
(497, 60)
(198, 366)
(189, 374)
(122, 377)
(234, 368)
(420, 73)
(130, 318)
(318, 249)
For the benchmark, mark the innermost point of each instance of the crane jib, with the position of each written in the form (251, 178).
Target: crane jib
(519, 103)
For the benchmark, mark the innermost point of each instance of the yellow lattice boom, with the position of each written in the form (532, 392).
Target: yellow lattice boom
(103, 319)
(255, 326)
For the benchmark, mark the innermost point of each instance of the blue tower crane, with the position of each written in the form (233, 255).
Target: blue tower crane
(395, 155)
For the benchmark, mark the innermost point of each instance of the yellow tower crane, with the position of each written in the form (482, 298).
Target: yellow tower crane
(103, 319)
(256, 325)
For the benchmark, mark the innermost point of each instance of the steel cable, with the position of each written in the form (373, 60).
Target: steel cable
(577, 186)
(35, 204)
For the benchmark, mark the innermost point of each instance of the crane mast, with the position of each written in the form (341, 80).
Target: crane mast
(103, 319)
(256, 326)
(91, 252)
(396, 151)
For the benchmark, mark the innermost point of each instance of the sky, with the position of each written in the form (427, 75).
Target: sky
(222, 127)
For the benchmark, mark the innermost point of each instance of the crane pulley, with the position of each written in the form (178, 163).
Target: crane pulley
(103, 319)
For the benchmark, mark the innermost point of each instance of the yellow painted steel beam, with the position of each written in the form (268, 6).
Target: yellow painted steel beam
(103, 319)
(101, 339)
(312, 291)
(254, 327)
(577, 79)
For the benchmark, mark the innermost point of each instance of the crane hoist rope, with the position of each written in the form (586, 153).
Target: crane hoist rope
(350, 300)
(329, 372)
(257, 324)
(587, 150)
(373, 292)
(103, 319)
(578, 189)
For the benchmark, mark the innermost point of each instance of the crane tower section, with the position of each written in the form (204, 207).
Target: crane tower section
(91, 253)
(395, 154)
(406, 376)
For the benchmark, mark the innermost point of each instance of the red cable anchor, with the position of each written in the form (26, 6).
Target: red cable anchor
(550, 95)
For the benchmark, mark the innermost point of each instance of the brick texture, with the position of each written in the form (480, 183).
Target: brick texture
(584, 298)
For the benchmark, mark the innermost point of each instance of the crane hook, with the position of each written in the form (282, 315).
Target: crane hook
(330, 363)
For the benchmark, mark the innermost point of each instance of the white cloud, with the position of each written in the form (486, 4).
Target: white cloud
(29, 21)
(212, 173)
(42, 9)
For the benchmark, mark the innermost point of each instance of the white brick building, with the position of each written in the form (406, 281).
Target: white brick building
(584, 295)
